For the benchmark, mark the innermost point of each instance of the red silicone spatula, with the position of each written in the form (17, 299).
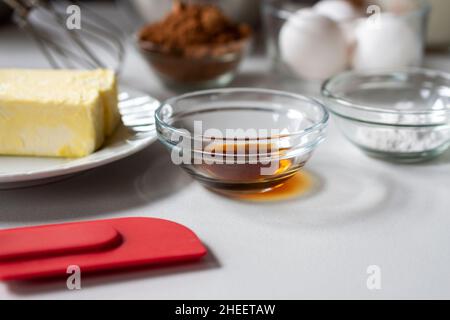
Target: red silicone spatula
(93, 246)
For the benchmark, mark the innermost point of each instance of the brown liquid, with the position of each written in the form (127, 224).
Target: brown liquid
(298, 185)
(250, 167)
(247, 179)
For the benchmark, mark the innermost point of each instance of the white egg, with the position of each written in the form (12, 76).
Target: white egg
(313, 45)
(386, 42)
(344, 13)
(338, 10)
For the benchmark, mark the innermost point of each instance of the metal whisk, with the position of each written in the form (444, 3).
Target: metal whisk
(97, 44)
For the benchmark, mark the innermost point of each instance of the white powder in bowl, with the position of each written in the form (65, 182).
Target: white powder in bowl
(401, 140)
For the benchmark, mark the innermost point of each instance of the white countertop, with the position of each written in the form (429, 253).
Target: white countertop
(364, 212)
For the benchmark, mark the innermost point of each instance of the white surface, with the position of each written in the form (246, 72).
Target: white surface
(25, 171)
(365, 212)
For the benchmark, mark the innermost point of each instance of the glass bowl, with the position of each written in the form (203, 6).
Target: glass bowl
(241, 140)
(200, 72)
(275, 14)
(398, 115)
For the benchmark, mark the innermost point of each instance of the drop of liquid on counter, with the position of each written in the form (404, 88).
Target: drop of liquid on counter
(298, 185)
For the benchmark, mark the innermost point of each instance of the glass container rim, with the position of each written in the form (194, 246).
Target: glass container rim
(328, 92)
(227, 56)
(317, 126)
(424, 8)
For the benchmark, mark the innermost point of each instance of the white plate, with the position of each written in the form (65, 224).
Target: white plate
(136, 133)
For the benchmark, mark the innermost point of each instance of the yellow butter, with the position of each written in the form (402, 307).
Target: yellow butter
(56, 113)
(105, 80)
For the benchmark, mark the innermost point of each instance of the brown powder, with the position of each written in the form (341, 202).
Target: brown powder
(194, 30)
(359, 4)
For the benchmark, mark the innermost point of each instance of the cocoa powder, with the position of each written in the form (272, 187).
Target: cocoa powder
(194, 30)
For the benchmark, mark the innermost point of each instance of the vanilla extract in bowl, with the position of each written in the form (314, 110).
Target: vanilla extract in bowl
(244, 167)
(241, 140)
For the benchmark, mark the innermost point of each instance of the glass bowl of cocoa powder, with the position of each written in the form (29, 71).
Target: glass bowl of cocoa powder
(195, 46)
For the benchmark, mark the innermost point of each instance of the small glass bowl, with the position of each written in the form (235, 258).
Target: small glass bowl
(194, 73)
(399, 115)
(241, 140)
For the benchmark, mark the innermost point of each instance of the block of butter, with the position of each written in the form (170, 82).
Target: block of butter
(105, 81)
(60, 113)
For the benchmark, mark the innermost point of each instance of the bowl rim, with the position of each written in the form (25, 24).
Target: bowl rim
(328, 93)
(243, 43)
(317, 126)
(424, 8)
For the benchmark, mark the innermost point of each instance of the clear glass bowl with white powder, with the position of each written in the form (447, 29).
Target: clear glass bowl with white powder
(398, 115)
